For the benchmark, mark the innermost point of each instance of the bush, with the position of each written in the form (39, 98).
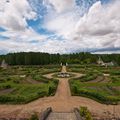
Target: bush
(34, 117)
(84, 112)
(8, 79)
(42, 93)
(7, 86)
(75, 90)
(88, 77)
(11, 99)
(99, 97)
(115, 72)
(52, 90)
(115, 79)
(16, 81)
(40, 78)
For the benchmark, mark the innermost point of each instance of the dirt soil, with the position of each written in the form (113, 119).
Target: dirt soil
(6, 91)
(61, 102)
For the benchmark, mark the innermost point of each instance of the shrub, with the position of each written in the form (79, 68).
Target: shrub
(88, 77)
(42, 93)
(34, 117)
(115, 72)
(115, 79)
(99, 97)
(40, 78)
(8, 79)
(84, 112)
(16, 81)
(11, 99)
(75, 89)
(7, 86)
(50, 90)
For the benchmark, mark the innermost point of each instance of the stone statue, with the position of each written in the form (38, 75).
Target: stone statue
(4, 64)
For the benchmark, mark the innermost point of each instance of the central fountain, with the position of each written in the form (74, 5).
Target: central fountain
(63, 73)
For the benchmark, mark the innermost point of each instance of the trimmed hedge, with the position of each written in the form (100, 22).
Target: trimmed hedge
(95, 95)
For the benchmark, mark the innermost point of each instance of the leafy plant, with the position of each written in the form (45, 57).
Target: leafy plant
(34, 117)
(84, 112)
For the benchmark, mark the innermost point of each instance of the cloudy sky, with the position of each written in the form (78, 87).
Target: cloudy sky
(60, 26)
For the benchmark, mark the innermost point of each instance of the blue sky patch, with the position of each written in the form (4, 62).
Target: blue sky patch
(2, 29)
(3, 38)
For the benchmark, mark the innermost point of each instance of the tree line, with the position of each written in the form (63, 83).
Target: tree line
(38, 58)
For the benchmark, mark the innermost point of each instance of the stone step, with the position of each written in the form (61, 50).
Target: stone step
(62, 116)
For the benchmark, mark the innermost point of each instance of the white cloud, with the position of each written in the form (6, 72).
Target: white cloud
(62, 5)
(62, 24)
(18, 43)
(99, 28)
(57, 46)
(13, 14)
(100, 25)
(13, 17)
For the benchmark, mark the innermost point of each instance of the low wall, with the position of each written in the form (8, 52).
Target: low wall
(76, 111)
(45, 114)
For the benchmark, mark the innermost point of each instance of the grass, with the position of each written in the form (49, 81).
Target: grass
(107, 92)
(15, 89)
